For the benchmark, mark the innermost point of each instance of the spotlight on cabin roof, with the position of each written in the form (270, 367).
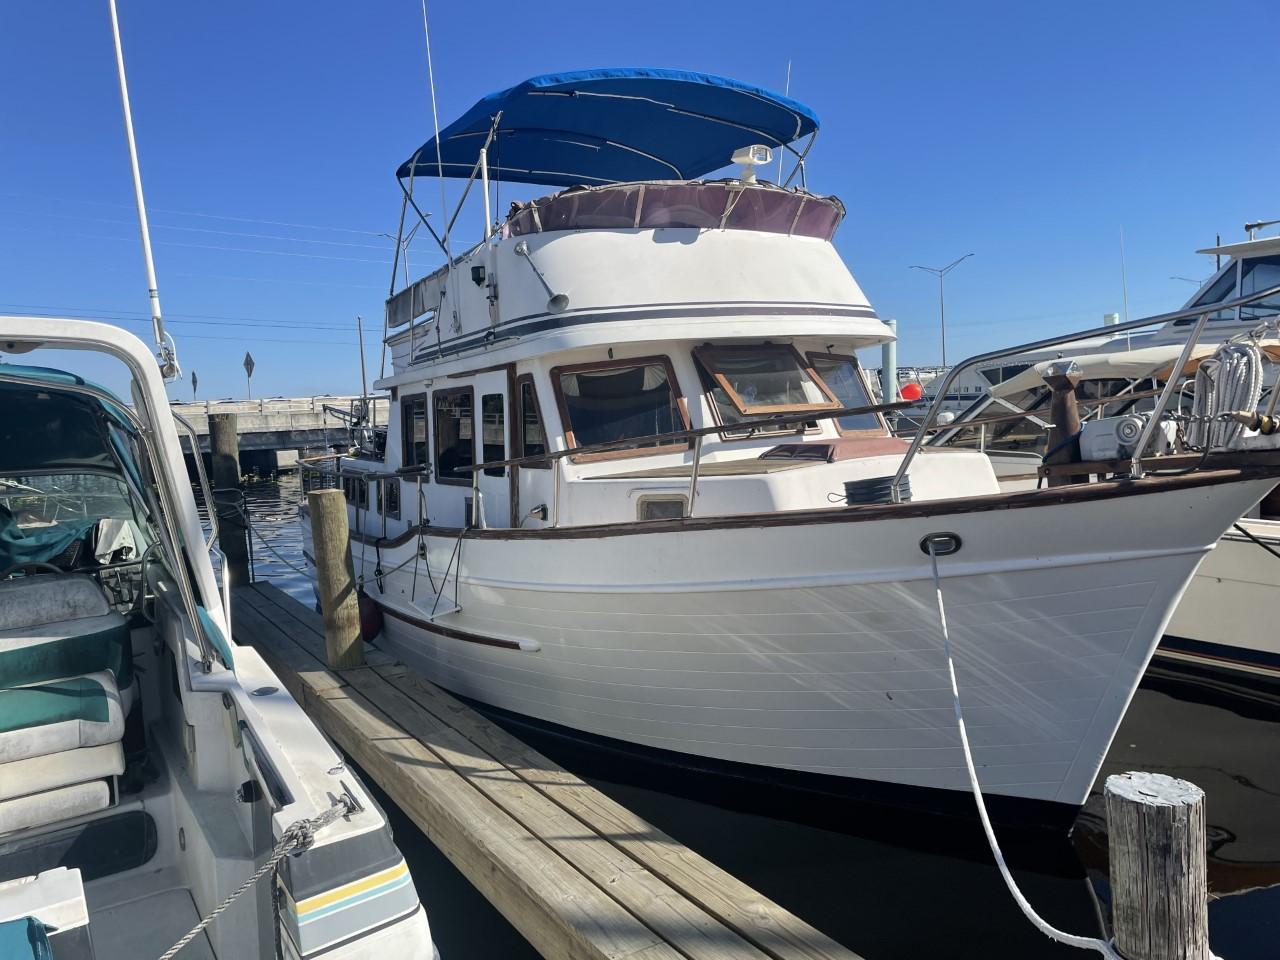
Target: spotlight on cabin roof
(756, 155)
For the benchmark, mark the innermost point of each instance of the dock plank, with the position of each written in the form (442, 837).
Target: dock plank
(774, 930)
(577, 873)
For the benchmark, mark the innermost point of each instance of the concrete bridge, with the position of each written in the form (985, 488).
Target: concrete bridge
(274, 430)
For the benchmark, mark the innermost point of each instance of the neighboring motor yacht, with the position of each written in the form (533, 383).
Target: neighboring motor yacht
(635, 488)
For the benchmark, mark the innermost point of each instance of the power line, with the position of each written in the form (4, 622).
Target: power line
(225, 233)
(192, 213)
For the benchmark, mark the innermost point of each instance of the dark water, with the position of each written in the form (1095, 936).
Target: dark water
(896, 887)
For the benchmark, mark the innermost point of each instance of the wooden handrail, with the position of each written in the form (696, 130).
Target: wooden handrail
(657, 438)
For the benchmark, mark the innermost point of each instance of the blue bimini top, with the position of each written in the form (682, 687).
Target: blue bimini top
(613, 126)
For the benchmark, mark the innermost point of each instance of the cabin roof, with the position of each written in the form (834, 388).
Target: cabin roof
(1262, 247)
(613, 125)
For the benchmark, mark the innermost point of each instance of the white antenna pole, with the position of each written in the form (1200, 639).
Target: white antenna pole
(484, 182)
(435, 123)
(164, 347)
(1124, 280)
(786, 90)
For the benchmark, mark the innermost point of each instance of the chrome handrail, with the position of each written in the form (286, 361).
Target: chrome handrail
(1200, 312)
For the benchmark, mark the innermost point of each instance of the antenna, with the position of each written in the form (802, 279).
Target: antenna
(166, 353)
(1124, 280)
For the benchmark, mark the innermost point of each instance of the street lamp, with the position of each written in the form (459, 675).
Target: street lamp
(941, 274)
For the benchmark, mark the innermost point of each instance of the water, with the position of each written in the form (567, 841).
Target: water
(894, 888)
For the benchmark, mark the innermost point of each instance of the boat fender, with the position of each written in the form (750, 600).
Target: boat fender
(370, 616)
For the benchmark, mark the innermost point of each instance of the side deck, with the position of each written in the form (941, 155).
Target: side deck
(578, 875)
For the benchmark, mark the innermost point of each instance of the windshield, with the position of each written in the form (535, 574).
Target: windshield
(74, 521)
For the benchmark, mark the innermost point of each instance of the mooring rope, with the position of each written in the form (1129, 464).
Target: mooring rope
(297, 836)
(1050, 931)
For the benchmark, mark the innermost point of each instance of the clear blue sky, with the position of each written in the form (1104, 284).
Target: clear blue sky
(1026, 133)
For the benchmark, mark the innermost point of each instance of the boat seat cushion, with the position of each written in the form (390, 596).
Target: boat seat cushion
(44, 598)
(69, 648)
(21, 778)
(60, 626)
(53, 806)
(58, 715)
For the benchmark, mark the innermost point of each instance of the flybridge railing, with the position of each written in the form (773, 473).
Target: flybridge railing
(1199, 313)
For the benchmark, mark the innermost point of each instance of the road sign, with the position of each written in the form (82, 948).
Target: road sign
(248, 372)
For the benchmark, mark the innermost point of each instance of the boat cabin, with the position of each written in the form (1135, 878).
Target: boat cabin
(632, 348)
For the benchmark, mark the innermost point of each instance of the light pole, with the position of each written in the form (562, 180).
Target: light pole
(941, 274)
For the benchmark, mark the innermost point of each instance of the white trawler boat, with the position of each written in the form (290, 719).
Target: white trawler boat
(149, 765)
(1223, 622)
(613, 495)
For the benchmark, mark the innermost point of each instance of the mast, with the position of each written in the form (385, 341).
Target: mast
(165, 352)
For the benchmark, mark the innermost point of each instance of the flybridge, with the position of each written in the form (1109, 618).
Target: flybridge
(613, 126)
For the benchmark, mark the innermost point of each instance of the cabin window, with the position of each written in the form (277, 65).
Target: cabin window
(1221, 289)
(620, 400)
(764, 379)
(455, 434)
(1255, 276)
(413, 413)
(493, 433)
(532, 436)
(389, 498)
(843, 377)
(356, 490)
(661, 507)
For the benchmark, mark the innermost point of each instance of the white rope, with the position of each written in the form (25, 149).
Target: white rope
(297, 836)
(1231, 380)
(1050, 931)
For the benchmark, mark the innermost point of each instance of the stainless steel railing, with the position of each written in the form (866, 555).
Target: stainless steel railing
(1200, 314)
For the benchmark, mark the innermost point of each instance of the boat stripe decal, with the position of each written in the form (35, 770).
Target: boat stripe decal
(541, 322)
(352, 901)
(396, 875)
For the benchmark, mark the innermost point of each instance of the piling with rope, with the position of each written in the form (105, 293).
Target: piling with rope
(1157, 854)
(335, 579)
(233, 533)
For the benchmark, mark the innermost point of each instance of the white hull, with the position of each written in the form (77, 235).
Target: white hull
(1224, 620)
(814, 646)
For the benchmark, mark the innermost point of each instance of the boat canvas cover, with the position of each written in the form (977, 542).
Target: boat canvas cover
(613, 126)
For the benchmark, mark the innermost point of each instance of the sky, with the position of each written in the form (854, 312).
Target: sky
(1031, 135)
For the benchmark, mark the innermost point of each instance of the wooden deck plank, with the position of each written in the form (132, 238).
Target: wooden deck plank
(774, 930)
(578, 874)
(679, 921)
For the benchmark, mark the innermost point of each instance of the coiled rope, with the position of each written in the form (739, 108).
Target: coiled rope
(297, 837)
(1228, 381)
(1050, 931)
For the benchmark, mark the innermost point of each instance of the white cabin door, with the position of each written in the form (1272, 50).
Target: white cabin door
(493, 433)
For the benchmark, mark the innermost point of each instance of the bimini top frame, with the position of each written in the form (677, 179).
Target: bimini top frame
(613, 126)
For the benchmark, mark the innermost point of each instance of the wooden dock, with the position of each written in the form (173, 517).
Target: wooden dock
(578, 875)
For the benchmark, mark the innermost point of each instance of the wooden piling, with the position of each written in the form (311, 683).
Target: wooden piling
(233, 532)
(1159, 892)
(335, 579)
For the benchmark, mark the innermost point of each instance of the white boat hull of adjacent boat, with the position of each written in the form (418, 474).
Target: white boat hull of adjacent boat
(813, 644)
(1224, 620)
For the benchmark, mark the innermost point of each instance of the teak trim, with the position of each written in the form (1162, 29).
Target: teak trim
(1152, 483)
(438, 474)
(860, 374)
(707, 355)
(566, 424)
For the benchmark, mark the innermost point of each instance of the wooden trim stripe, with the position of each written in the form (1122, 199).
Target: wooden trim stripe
(1048, 496)
(444, 631)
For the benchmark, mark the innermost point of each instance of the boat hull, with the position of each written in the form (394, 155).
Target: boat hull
(1223, 623)
(810, 643)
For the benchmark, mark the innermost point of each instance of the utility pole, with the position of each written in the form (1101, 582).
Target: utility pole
(941, 274)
